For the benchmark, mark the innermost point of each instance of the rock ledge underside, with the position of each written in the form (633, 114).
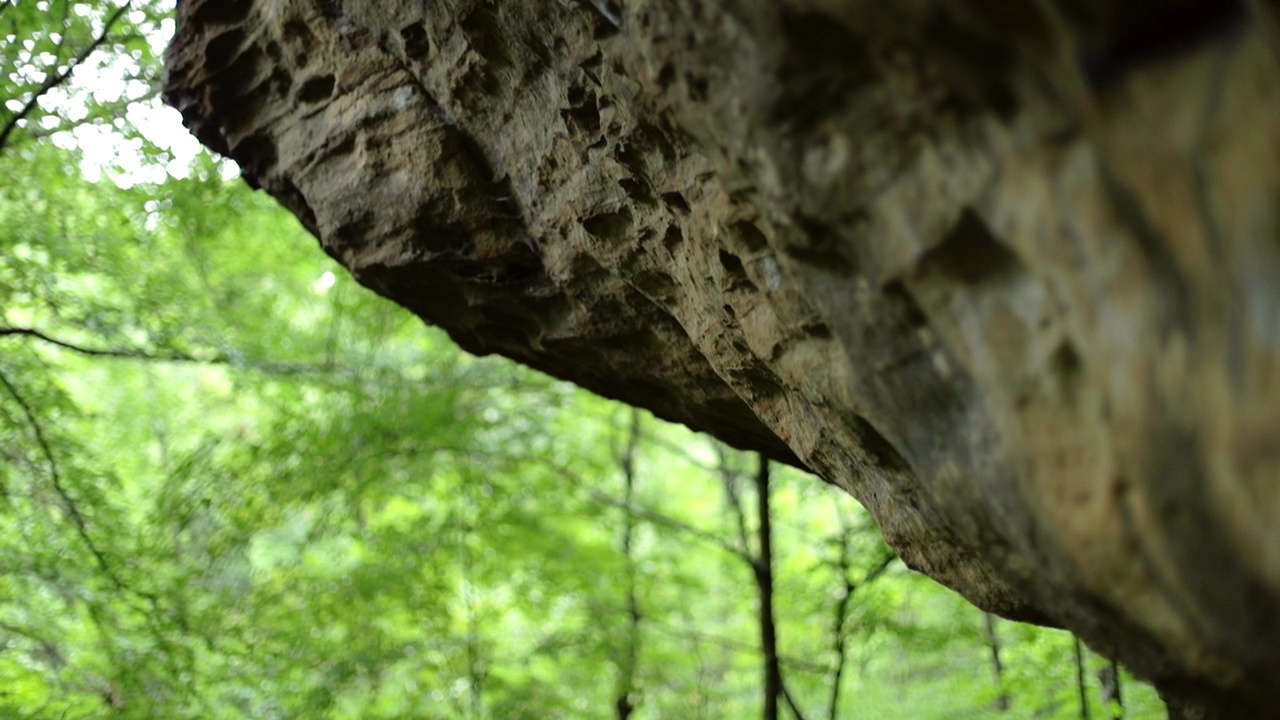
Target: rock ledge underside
(1007, 272)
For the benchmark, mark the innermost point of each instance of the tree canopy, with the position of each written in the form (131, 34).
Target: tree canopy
(234, 484)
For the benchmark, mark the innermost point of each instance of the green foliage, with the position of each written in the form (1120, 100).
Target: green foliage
(235, 485)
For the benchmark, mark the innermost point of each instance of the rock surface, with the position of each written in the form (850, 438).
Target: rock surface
(1007, 272)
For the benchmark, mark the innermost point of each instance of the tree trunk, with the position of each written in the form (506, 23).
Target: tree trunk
(1008, 272)
(997, 665)
(1112, 696)
(1082, 683)
(763, 566)
(838, 631)
(629, 660)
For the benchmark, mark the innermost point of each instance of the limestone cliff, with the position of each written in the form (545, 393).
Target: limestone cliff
(1008, 272)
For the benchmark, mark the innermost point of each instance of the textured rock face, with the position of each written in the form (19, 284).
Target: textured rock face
(1008, 272)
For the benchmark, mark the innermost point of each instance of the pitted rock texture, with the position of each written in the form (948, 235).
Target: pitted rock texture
(1007, 272)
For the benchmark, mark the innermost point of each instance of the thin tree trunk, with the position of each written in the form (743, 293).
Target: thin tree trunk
(775, 686)
(763, 566)
(625, 697)
(841, 617)
(1081, 685)
(997, 667)
(475, 665)
(1112, 698)
(838, 642)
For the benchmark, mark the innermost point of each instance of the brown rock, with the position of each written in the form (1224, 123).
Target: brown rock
(1007, 272)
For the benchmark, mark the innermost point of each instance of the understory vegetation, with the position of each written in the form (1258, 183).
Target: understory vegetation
(235, 484)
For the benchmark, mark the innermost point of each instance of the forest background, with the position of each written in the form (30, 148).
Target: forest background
(234, 484)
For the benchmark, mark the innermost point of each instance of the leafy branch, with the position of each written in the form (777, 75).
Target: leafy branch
(163, 357)
(107, 110)
(654, 517)
(55, 479)
(50, 649)
(734, 645)
(55, 79)
(839, 639)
